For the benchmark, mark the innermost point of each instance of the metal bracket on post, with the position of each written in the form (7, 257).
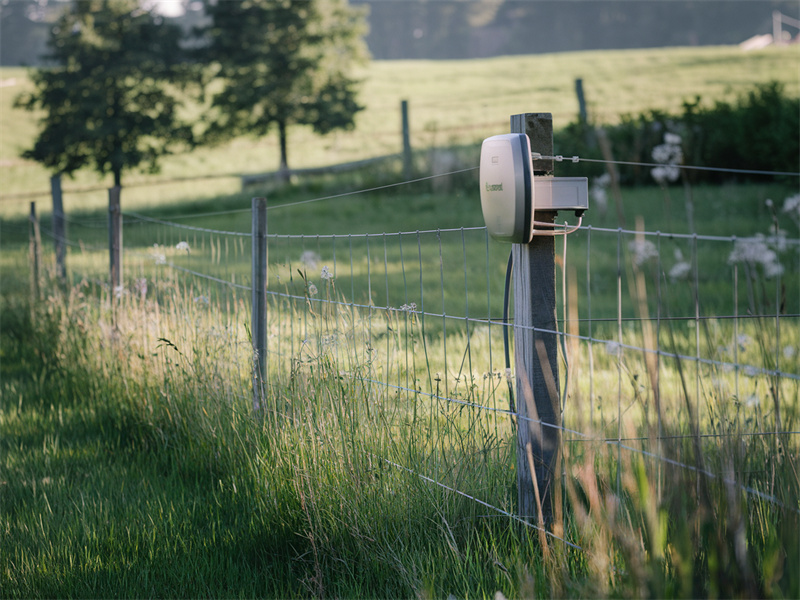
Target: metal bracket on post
(536, 345)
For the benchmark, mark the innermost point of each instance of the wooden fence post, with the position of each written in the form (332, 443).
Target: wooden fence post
(259, 316)
(584, 118)
(536, 347)
(35, 247)
(59, 229)
(115, 238)
(407, 159)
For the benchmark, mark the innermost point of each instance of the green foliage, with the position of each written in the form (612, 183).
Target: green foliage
(106, 101)
(760, 130)
(283, 64)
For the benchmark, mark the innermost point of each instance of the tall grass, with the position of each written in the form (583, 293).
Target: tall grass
(132, 464)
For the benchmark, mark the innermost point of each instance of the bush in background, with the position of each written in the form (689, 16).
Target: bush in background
(759, 131)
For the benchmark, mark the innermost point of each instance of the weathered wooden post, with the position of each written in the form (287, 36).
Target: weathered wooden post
(115, 238)
(407, 160)
(59, 229)
(35, 251)
(536, 345)
(259, 314)
(582, 115)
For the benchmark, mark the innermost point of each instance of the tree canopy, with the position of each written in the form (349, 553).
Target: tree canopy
(283, 63)
(110, 99)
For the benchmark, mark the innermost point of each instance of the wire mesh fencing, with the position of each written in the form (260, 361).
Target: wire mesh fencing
(680, 351)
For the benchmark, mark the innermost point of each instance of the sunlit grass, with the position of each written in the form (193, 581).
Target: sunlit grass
(134, 466)
(451, 102)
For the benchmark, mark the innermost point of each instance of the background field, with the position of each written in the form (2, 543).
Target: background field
(383, 466)
(451, 103)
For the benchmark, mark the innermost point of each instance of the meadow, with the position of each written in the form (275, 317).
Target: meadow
(382, 463)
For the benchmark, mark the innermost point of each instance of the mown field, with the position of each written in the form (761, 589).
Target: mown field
(131, 463)
(451, 102)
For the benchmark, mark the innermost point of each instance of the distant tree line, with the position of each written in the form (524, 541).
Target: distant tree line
(119, 76)
(480, 28)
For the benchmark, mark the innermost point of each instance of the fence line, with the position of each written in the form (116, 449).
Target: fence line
(295, 320)
(320, 303)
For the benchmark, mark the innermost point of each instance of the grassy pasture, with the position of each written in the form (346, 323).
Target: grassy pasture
(451, 102)
(130, 464)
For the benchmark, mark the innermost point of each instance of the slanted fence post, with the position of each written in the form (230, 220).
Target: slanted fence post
(259, 316)
(407, 160)
(536, 347)
(35, 247)
(115, 239)
(59, 229)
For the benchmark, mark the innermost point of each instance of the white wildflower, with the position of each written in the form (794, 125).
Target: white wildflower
(140, 285)
(679, 271)
(668, 155)
(751, 401)
(643, 251)
(182, 247)
(326, 273)
(509, 375)
(773, 269)
(312, 289)
(310, 259)
(409, 307)
(665, 174)
(791, 206)
(789, 352)
(119, 291)
(756, 251)
(744, 341)
(158, 255)
(599, 192)
(599, 197)
(612, 348)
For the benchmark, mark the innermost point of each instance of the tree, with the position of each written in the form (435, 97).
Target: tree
(106, 101)
(283, 63)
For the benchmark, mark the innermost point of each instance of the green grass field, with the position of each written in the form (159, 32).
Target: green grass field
(451, 102)
(131, 463)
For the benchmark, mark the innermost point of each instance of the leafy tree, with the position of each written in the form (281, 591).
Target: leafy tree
(283, 63)
(106, 100)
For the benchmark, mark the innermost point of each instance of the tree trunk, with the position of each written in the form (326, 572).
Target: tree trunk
(283, 172)
(117, 177)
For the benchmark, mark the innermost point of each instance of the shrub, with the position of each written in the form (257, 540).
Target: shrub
(758, 131)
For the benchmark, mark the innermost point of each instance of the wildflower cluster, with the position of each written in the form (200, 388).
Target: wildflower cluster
(681, 269)
(643, 251)
(310, 259)
(757, 251)
(599, 192)
(669, 155)
(158, 255)
(791, 206)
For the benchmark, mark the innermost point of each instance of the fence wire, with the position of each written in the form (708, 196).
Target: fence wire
(665, 339)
